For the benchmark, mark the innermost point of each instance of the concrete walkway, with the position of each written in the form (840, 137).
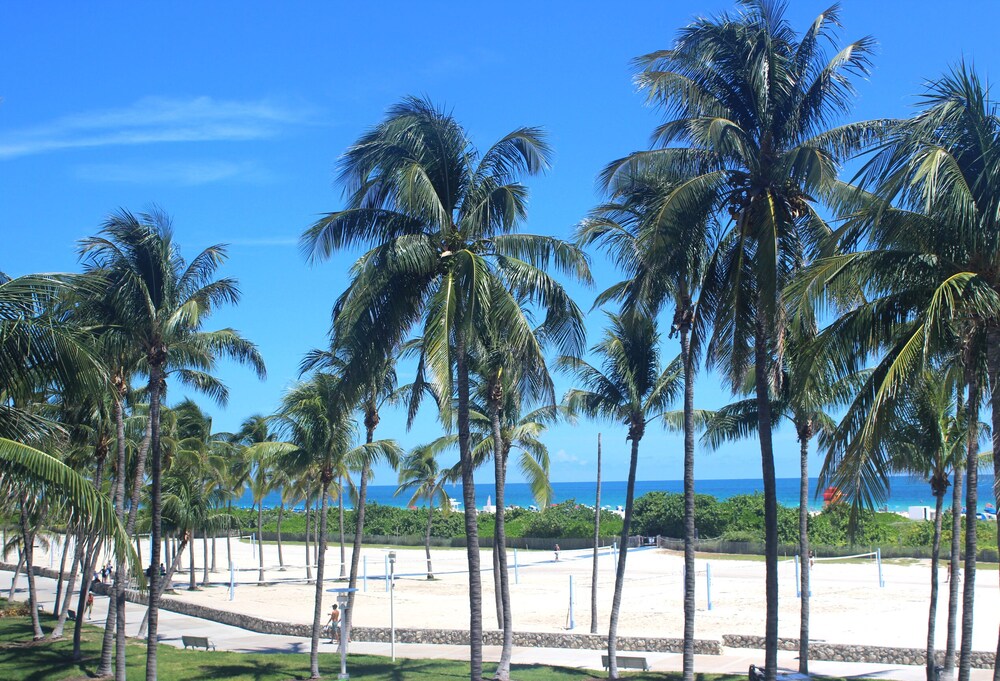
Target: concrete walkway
(225, 637)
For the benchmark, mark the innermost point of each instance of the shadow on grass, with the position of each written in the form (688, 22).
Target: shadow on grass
(257, 670)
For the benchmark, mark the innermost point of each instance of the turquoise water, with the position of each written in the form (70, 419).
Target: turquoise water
(904, 492)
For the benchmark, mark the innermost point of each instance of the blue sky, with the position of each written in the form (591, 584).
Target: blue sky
(231, 116)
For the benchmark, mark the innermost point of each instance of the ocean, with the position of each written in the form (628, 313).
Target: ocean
(904, 492)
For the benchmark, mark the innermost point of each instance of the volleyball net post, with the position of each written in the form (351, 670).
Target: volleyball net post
(708, 583)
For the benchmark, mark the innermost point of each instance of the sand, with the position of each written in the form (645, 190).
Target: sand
(847, 605)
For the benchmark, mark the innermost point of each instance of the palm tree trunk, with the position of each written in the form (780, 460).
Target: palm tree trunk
(971, 503)
(204, 557)
(469, 500)
(804, 562)
(320, 564)
(497, 597)
(597, 543)
(260, 543)
(166, 581)
(343, 554)
(761, 370)
(616, 602)
(75, 565)
(359, 530)
(94, 545)
(689, 524)
(110, 625)
(191, 572)
(932, 616)
(993, 368)
(316, 537)
(953, 568)
(62, 565)
(213, 553)
(500, 541)
(427, 538)
(156, 532)
(120, 579)
(17, 573)
(28, 537)
(308, 554)
(281, 557)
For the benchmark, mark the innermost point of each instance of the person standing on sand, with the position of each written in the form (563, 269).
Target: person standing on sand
(557, 552)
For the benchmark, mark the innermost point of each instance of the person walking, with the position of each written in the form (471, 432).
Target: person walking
(334, 624)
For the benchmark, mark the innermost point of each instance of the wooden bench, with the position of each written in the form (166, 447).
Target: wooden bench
(197, 642)
(627, 662)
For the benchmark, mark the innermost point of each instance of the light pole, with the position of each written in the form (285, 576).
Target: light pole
(342, 595)
(392, 605)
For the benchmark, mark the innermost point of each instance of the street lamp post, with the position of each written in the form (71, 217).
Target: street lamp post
(342, 596)
(392, 605)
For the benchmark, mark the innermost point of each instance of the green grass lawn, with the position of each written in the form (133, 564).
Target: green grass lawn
(21, 659)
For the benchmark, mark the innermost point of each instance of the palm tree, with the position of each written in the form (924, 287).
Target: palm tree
(317, 417)
(660, 235)
(163, 300)
(45, 351)
(629, 389)
(751, 99)
(803, 396)
(926, 284)
(439, 219)
(926, 437)
(377, 388)
(420, 474)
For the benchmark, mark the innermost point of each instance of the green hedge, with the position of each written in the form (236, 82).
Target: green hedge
(567, 519)
(741, 519)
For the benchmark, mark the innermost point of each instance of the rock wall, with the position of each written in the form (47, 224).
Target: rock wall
(843, 652)
(836, 652)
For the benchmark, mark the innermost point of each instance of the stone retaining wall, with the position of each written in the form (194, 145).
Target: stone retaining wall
(835, 652)
(843, 652)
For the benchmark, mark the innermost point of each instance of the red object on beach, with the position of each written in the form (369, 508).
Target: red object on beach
(831, 495)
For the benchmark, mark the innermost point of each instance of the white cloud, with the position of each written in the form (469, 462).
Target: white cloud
(154, 120)
(184, 173)
(562, 456)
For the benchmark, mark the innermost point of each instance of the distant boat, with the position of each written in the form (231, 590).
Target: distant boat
(489, 507)
(454, 504)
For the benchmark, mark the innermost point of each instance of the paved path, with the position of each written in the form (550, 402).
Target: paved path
(225, 637)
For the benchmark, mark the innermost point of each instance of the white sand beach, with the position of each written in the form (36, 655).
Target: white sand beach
(847, 606)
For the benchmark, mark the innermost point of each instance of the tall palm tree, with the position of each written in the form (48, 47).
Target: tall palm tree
(164, 300)
(439, 220)
(376, 388)
(805, 392)
(420, 474)
(660, 236)
(927, 437)
(749, 101)
(508, 378)
(925, 285)
(631, 389)
(316, 415)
